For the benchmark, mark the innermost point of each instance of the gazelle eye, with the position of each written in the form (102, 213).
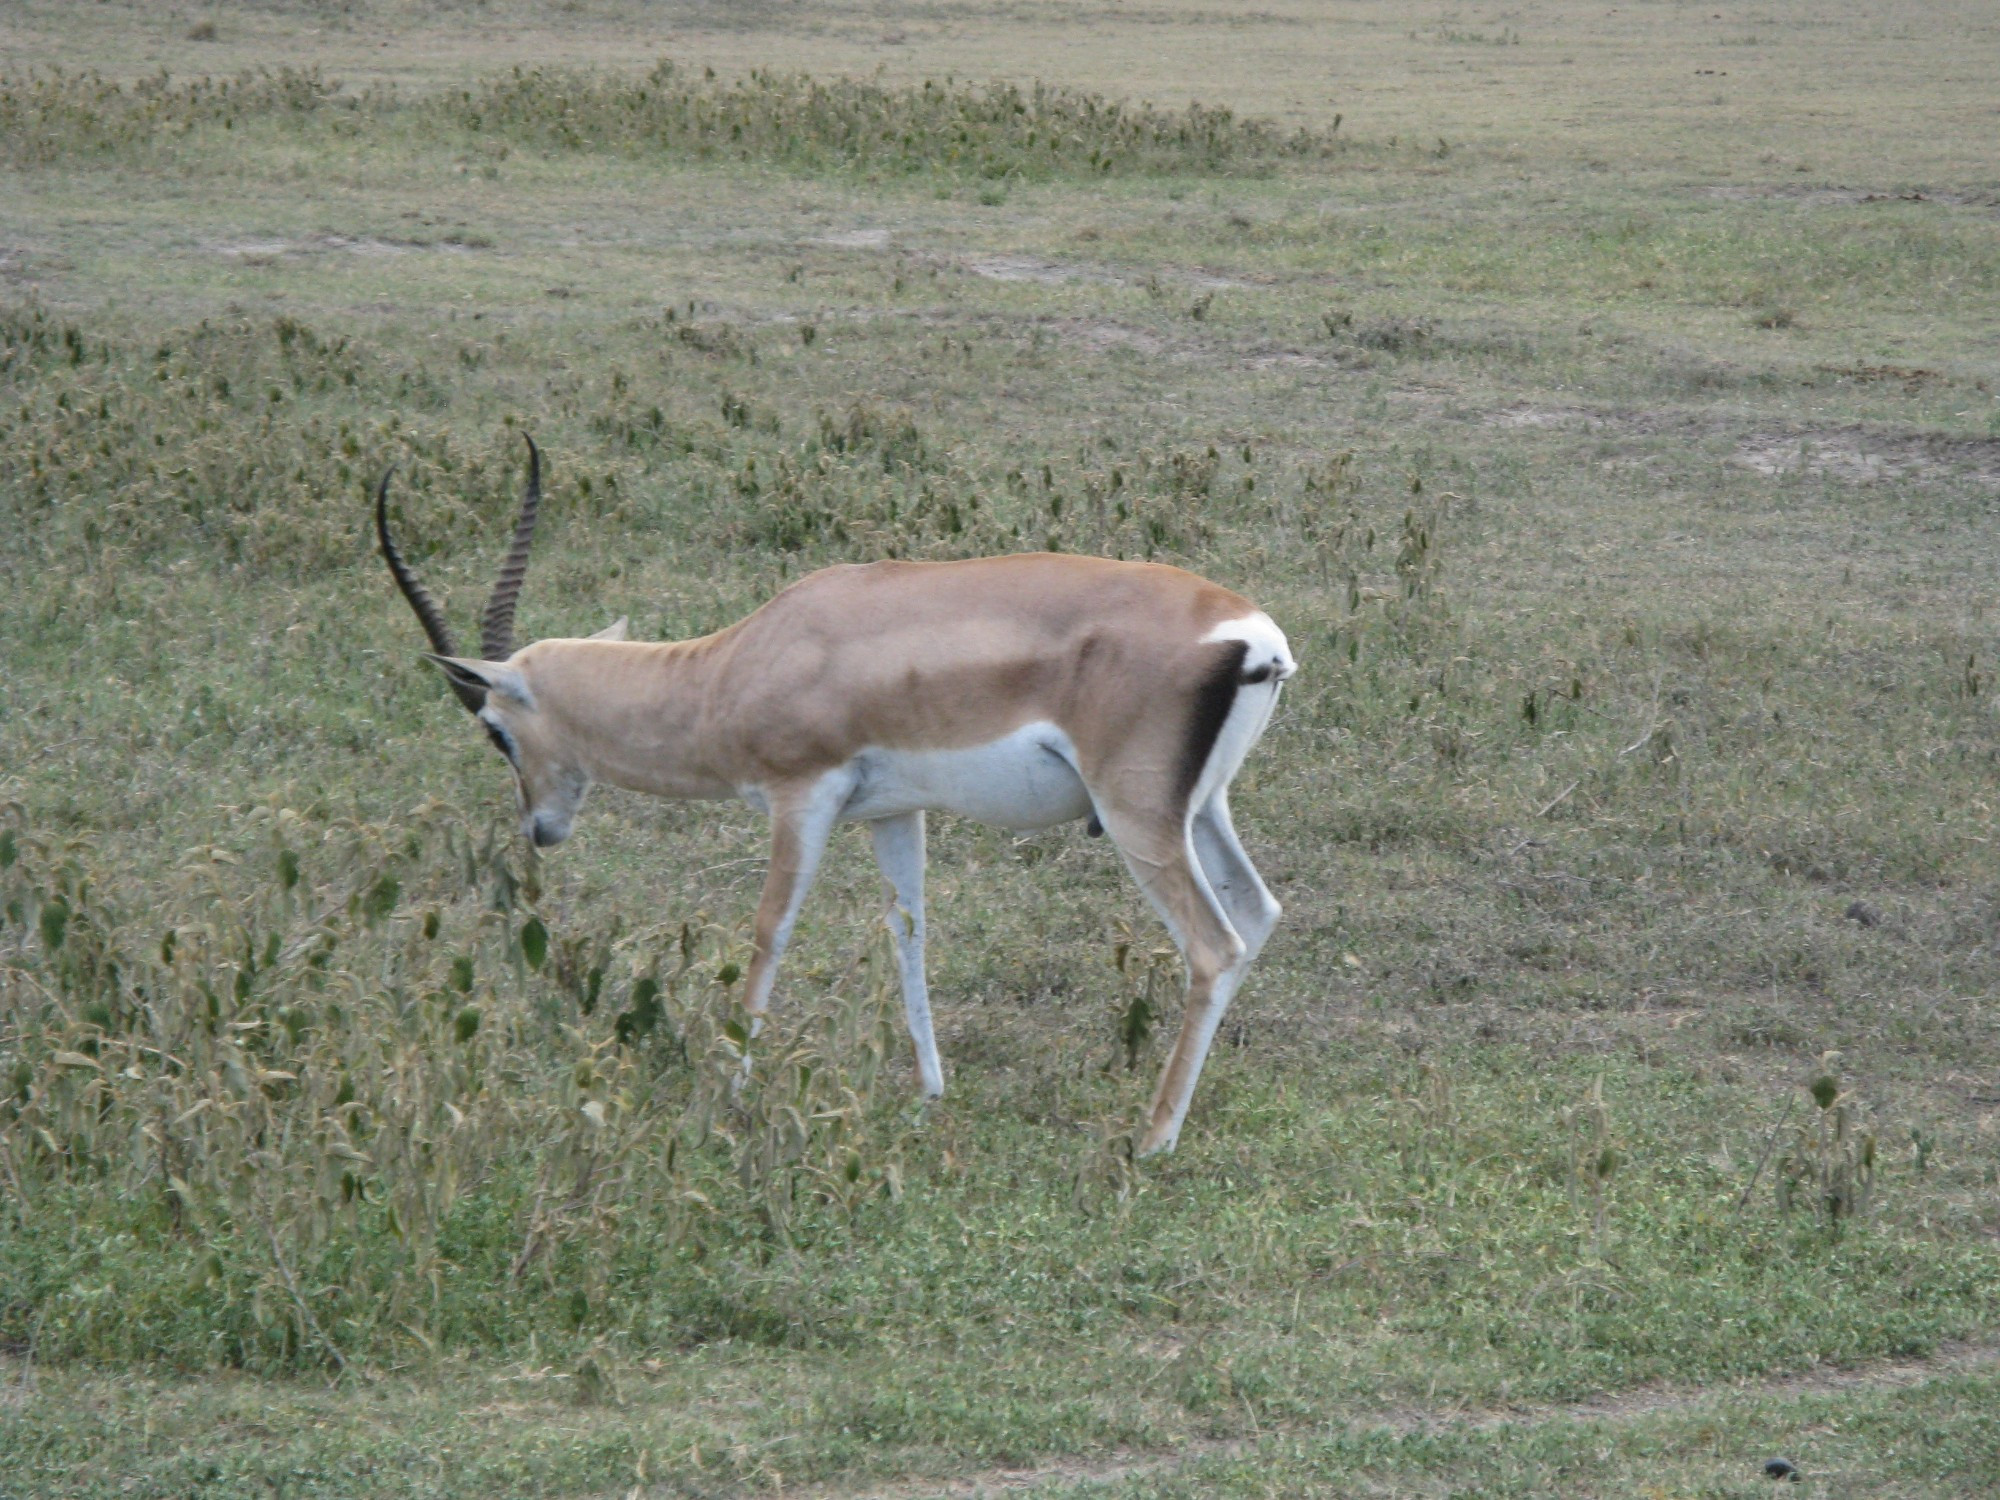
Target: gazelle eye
(501, 740)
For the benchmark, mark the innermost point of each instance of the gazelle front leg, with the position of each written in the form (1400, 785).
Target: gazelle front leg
(802, 819)
(899, 850)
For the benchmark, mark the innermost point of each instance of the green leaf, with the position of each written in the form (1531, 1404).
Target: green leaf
(288, 868)
(55, 923)
(644, 1012)
(467, 1025)
(381, 897)
(534, 942)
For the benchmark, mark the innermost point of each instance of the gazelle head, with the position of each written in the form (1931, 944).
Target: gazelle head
(497, 689)
(548, 785)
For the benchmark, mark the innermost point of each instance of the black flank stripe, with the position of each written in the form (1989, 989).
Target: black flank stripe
(1212, 702)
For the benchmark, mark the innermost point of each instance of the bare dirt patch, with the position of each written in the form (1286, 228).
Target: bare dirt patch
(1054, 272)
(1527, 415)
(252, 252)
(1856, 454)
(269, 251)
(1823, 195)
(1859, 455)
(1284, 359)
(1032, 268)
(1098, 335)
(855, 239)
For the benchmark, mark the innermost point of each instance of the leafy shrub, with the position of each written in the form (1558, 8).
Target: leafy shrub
(980, 130)
(324, 1095)
(240, 440)
(49, 115)
(989, 131)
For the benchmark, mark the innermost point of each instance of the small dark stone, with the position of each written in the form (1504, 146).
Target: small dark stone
(1866, 915)
(1781, 1468)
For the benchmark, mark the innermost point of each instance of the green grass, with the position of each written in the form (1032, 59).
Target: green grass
(1935, 1441)
(1637, 546)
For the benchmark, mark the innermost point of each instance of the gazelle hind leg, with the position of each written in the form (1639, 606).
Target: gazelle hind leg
(1185, 856)
(1161, 857)
(1251, 908)
(899, 851)
(1245, 900)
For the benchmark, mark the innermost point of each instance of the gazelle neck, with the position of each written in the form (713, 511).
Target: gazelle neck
(629, 712)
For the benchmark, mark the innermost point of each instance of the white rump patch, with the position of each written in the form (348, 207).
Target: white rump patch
(1267, 643)
(1267, 652)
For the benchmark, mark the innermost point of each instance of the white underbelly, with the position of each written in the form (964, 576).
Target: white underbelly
(1026, 780)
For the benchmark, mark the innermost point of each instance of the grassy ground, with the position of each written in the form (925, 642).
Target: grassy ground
(1616, 441)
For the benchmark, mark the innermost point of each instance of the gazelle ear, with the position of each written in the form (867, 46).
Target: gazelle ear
(615, 631)
(482, 678)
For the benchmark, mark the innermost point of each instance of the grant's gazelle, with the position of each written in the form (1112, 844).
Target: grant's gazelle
(1023, 691)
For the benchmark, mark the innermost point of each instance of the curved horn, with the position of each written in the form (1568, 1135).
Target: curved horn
(428, 614)
(496, 636)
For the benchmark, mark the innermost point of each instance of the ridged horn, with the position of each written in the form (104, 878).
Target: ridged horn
(496, 636)
(428, 614)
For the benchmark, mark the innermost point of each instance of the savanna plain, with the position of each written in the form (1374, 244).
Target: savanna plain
(1602, 399)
